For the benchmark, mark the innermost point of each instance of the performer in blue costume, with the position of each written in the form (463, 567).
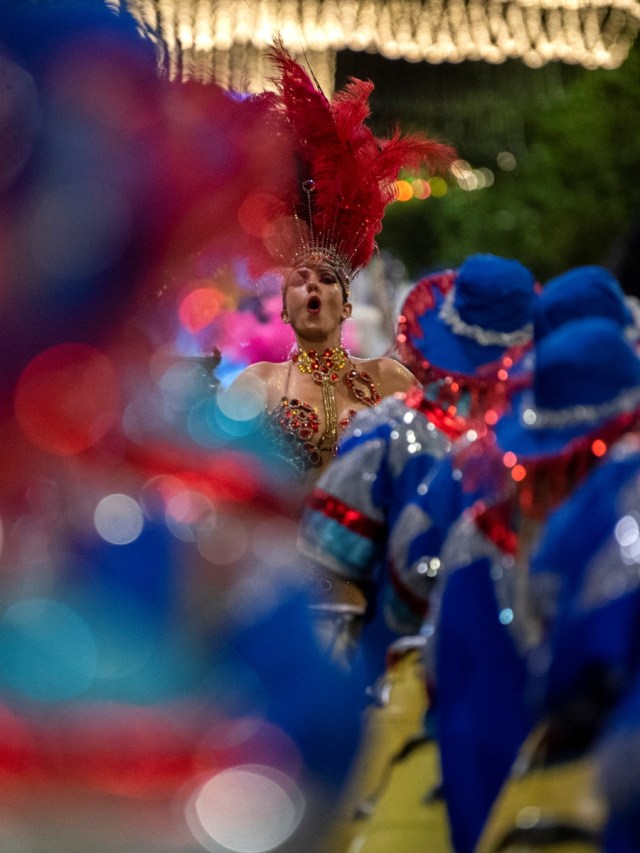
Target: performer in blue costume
(586, 670)
(579, 402)
(487, 538)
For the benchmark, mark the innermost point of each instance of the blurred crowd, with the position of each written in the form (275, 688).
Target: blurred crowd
(175, 671)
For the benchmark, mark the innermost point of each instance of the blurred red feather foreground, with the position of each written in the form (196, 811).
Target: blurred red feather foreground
(156, 652)
(346, 175)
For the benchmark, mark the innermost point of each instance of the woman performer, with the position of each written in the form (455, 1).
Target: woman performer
(323, 234)
(314, 394)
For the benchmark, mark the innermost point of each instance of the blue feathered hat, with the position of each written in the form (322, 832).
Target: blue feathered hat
(587, 291)
(463, 320)
(585, 376)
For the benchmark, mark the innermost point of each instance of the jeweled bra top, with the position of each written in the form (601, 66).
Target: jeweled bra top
(293, 425)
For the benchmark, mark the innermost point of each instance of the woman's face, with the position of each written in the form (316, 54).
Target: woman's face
(313, 299)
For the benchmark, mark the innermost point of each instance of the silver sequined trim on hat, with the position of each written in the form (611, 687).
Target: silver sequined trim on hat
(482, 336)
(535, 418)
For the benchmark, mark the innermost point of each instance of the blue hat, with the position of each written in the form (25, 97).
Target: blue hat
(462, 320)
(585, 375)
(588, 291)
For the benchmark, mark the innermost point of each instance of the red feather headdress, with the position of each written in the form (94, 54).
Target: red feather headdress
(347, 174)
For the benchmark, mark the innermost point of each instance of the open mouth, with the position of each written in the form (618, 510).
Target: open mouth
(314, 304)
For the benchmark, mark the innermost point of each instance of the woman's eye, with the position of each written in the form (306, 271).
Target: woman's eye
(329, 279)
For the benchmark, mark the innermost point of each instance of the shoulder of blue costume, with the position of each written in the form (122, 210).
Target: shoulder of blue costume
(586, 581)
(439, 502)
(377, 422)
(593, 509)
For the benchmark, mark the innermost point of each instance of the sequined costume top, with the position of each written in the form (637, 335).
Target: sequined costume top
(293, 427)
(295, 424)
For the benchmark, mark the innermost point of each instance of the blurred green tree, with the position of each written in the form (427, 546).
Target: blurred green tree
(573, 194)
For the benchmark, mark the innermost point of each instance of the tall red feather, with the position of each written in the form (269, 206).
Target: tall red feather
(353, 172)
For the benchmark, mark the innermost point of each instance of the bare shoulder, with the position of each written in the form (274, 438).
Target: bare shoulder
(264, 378)
(263, 370)
(389, 375)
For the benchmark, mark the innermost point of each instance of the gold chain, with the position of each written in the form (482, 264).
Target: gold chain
(324, 372)
(330, 435)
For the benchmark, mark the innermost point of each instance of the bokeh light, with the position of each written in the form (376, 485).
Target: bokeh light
(506, 161)
(438, 187)
(421, 189)
(202, 424)
(222, 540)
(118, 519)
(506, 616)
(488, 176)
(469, 178)
(67, 398)
(182, 382)
(239, 409)
(47, 650)
(156, 493)
(229, 742)
(404, 190)
(518, 472)
(186, 511)
(627, 534)
(627, 531)
(255, 214)
(242, 403)
(245, 809)
(509, 459)
(199, 308)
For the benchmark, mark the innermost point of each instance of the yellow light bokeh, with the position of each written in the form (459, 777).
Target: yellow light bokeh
(438, 187)
(404, 191)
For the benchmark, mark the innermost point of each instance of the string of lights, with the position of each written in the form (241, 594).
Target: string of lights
(201, 39)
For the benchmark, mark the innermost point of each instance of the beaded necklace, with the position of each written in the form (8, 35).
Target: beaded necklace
(323, 369)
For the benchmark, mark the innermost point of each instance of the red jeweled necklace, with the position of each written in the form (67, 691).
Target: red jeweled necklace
(323, 367)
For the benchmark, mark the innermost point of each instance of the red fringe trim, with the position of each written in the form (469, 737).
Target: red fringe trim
(496, 523)
(550, 479)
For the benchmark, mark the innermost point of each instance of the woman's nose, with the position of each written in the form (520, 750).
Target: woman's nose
(311, 280)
